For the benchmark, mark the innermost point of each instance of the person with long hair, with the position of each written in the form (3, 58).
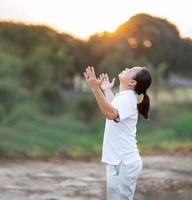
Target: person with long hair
(120, 152)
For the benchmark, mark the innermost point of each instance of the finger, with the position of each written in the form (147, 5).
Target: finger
(85, 75)
(88, 68)
(113, 81)
(88, 71)
(102, 79)
(102, 75)
(105, 78)
(93, 71)
(106, 75)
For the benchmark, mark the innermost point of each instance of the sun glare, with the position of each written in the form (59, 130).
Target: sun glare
(86, 17)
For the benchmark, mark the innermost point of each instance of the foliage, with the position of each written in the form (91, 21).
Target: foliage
(86, 107)
(51, 100)
(37, 66)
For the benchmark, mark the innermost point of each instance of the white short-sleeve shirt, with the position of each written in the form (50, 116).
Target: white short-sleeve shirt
(119, 141)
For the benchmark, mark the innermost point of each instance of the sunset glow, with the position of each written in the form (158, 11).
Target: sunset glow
(85, 17)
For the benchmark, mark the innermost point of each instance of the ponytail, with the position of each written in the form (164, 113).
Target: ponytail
(143, 78)
(143, 106)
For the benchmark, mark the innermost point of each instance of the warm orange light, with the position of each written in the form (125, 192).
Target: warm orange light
(133, 42)
(147, 43)
(84, 18)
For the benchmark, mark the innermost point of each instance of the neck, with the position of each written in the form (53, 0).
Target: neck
(123, 87)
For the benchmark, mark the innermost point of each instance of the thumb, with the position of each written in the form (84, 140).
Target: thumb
(113, 81)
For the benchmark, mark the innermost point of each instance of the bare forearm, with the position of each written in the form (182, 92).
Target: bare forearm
(106, 108)
(109, 95)
(104, 105)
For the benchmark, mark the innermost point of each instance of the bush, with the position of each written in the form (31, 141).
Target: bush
(86, 107)
(182, 126)
(7, 100)
(51, 100)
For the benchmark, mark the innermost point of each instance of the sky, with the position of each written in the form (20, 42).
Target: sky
(82, 18)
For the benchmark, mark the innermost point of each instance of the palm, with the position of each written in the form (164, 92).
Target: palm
(91, 79)
(106, 84)
(102, 81)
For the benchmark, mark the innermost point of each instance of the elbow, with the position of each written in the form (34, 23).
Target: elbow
(109, 117)
(112, 115)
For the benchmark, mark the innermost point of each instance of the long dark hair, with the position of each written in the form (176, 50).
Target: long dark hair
(143, 79)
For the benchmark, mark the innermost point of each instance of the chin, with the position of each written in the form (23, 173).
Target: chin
(120, 78)
(120, 74)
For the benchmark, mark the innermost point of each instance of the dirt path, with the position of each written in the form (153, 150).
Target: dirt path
(163, 177)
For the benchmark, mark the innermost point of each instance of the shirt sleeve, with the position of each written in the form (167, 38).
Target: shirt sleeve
(126, 107)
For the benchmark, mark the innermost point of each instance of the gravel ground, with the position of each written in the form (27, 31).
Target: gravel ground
(163, 177)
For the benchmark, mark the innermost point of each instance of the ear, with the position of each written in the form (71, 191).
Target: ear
(132, 82)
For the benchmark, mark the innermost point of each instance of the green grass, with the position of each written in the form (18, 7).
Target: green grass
(30, 133)
(42, 136)
(167, 135)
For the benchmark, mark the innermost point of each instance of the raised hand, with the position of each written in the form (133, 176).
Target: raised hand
(106, 84)
(91, 79)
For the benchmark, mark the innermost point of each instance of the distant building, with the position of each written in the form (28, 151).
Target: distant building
(176, 81)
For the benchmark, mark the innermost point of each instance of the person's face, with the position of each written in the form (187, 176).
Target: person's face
(127, 75)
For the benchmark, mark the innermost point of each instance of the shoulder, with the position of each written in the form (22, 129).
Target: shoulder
(131, 98)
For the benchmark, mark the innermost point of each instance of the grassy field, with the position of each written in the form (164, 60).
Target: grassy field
(29, 133)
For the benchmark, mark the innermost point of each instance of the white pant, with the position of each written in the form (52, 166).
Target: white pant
(121, 180)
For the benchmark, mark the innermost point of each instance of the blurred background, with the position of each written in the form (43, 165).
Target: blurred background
(46, 109)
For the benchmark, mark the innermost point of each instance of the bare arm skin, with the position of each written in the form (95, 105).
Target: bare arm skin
(106, 108)
(106, 86)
